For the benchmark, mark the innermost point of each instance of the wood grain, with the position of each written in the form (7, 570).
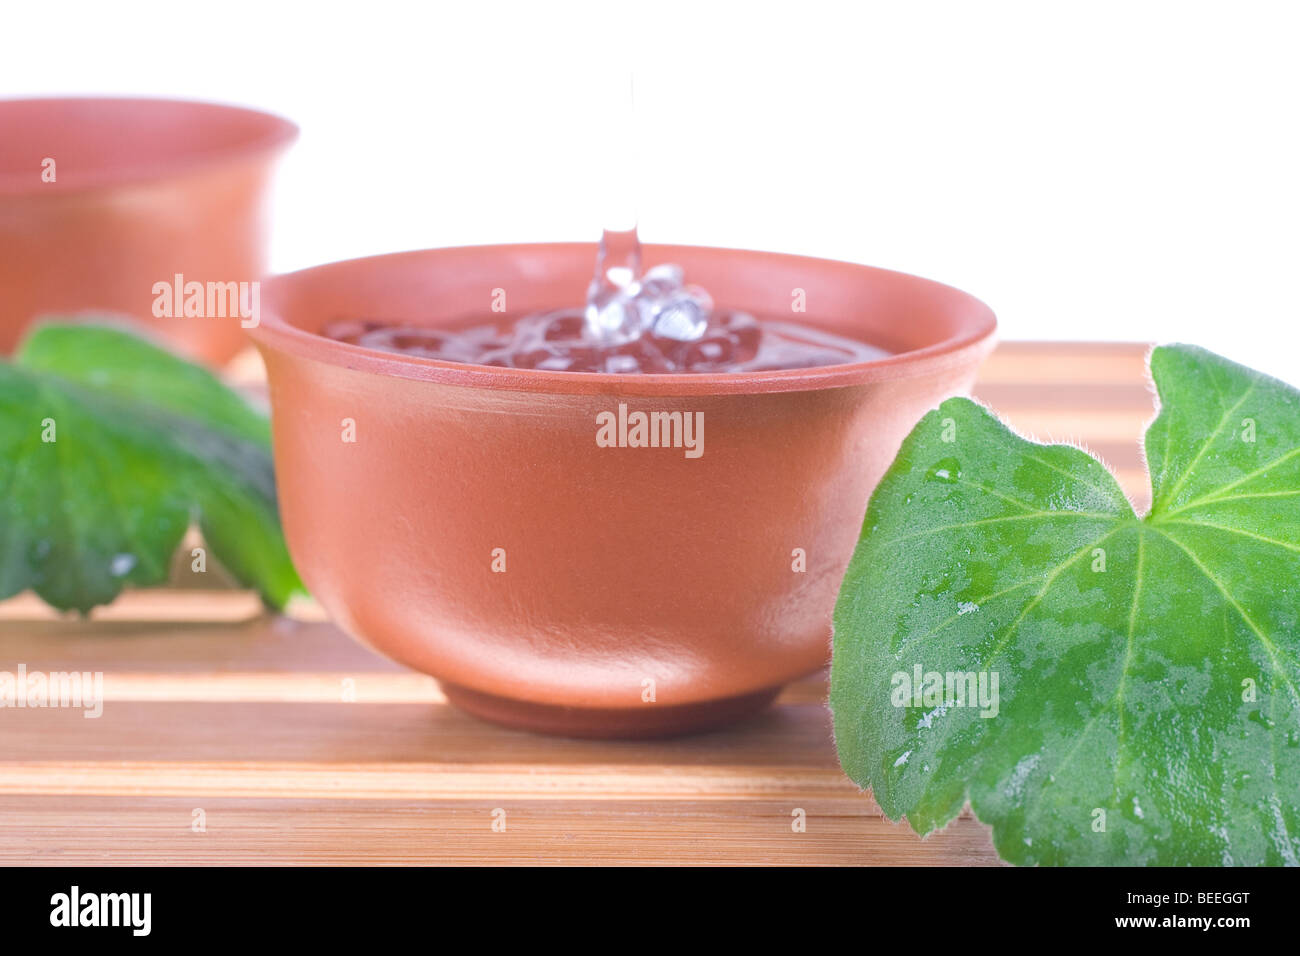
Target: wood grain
(158, 831)
(300, 746)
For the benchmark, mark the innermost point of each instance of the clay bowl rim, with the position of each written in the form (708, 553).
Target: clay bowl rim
(277, 135)
(976, 338)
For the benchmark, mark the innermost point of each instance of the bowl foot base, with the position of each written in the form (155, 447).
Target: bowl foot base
(649, 720)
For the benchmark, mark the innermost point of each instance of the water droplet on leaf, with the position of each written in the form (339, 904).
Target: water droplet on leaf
(949, 470)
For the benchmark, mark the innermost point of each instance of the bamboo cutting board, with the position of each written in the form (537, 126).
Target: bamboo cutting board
(228, 737)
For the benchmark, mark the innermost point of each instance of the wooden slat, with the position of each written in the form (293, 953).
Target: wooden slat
(157, 830)
(365, 736)
(266, 645)
(301, 687)
(146, 606)
(484, 782)
(1053, 364)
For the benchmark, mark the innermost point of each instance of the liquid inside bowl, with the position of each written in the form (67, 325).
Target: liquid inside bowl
(558, 341)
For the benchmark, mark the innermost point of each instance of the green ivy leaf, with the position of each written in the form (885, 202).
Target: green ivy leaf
(143, 443)
(1147, 709)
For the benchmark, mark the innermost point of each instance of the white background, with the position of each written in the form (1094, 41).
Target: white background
(1091, 170)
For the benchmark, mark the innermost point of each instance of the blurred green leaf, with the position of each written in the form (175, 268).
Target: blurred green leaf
(110, 447)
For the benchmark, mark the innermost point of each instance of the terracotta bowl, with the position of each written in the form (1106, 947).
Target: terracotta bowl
(644, 592)
(141, 190)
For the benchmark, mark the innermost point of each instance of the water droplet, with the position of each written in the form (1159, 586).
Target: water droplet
(948, 470)
(121, 564)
